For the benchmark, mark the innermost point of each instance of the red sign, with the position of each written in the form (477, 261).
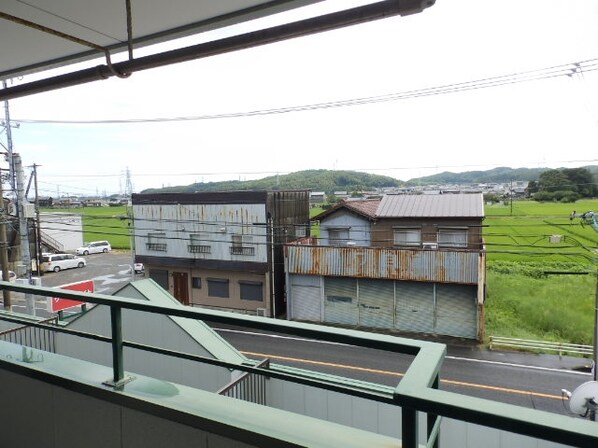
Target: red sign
(59, 304)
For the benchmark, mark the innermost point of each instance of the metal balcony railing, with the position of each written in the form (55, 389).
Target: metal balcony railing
(242, 250)
(249, 386)
(199, 249)
(417, 392)
(158, 247)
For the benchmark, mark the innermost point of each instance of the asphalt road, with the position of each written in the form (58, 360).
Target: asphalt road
(109, 272)
(533, 381)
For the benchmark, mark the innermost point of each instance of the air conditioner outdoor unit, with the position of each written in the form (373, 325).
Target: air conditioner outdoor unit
(430, 246)
(261, 312)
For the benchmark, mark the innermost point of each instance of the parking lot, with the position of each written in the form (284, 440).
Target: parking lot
(109, 272)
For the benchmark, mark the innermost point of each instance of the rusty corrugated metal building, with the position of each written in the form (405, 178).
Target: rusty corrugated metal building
(222, 250)
(412, 263)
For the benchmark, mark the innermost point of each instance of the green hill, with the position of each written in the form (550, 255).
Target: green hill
(315, 180)
(330, 181)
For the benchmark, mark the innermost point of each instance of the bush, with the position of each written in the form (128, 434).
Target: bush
(544, 196)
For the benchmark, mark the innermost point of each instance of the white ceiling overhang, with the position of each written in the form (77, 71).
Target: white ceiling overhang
(37, 35)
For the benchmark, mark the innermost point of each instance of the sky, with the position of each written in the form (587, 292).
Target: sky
(548, 122)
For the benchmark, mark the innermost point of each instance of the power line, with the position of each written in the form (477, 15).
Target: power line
(563, 70)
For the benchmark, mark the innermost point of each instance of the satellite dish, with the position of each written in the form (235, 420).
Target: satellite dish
(584, 398)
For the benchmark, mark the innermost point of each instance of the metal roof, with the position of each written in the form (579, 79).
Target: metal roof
(432, 206)
(37, 35)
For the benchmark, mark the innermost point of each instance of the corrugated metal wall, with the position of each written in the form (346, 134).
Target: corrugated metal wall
(446, 266)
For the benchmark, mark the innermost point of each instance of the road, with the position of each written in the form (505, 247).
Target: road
(110, 272)
(533, 381)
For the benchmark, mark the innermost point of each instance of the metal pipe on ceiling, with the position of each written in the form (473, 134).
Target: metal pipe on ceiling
(327, 22)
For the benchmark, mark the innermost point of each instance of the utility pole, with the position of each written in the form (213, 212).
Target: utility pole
(23, 229)
(4, 250)
(38, 232)
(8, 127)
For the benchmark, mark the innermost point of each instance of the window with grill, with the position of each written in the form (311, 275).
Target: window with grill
(242, 245)
(251, 290)
(198, 244)
(156, 242)
(407, 236)
(218, 287)
(452, 236)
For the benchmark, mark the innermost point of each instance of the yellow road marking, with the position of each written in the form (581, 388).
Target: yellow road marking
(397, 374)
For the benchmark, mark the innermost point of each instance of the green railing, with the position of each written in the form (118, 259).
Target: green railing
(416, 392)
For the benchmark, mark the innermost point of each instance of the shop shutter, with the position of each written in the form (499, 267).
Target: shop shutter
(376, 303)
(415, 307)
(340, 300)
(306, 298)
(456, 313)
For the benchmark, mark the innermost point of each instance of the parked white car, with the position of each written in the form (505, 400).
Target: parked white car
(58, 262)
(95, 247)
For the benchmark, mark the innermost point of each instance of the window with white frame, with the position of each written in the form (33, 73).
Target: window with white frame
(156, 241)
(452, 236)
(338, 236)
(407, 236)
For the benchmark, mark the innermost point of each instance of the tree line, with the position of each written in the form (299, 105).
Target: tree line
(563, 185)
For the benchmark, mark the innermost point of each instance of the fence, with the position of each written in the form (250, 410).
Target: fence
(249, 386)
(30, 336)
(528, 344)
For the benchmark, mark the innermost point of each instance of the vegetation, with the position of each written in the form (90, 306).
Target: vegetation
(564, 185)
(105, 223)
(315, 180)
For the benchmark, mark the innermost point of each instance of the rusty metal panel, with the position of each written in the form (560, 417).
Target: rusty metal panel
(443, 266)
(213, 226)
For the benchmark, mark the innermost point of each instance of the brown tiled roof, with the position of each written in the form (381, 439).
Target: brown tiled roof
(363, 207)
(432, 206)
(366, 207)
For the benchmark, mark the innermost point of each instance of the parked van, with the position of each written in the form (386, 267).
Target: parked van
(95, 247)
(58, 262)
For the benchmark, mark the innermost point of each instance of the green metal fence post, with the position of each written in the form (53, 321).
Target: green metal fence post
(118, 371)
(409, 427)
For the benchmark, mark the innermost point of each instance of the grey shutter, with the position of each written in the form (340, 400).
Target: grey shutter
(340, 300)
(456, 310)
(415, 307)
(306, 302)
(376, 303)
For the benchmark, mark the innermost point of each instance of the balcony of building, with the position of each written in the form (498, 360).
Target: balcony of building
(52, 399)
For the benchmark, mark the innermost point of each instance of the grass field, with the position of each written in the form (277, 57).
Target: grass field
(521, 300)
(523, 232)
(104, 223)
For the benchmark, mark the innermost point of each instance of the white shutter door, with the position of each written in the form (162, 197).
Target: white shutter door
(306, 302)
(456, 310)
(376, 303)
(340, 300)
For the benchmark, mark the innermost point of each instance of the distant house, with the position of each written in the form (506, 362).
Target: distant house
(317, 197)
(221, 250)
(410, 263)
